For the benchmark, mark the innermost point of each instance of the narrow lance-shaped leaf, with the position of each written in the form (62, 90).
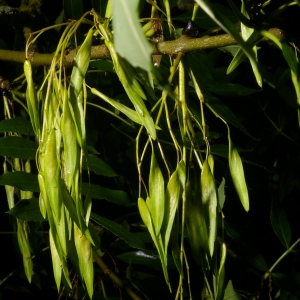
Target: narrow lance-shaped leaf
(129, 39)
(237, 174)
(21, 180)
(130, 84)
(13, 146)
(27, 210)
(281, 225)
(119, 231)
(292, 60)
(209, 202)
(157, 195)
(227, 26)
(195, 224)
(130, 113)
(19, 125)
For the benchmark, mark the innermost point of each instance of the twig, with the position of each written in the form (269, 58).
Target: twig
(114, 277)
(183, 44)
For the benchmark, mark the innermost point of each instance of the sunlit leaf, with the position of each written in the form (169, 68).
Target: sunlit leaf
(129, 39)
(230, 293)
(219, 18)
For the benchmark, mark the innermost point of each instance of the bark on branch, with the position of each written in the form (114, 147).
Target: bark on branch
(183, 44)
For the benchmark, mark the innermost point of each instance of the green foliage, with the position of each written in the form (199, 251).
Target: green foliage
(144, 191)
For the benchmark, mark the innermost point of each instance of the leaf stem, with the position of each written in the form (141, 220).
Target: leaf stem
(266, 275)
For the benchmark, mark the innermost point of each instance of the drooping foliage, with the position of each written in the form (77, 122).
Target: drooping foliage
(154, 145)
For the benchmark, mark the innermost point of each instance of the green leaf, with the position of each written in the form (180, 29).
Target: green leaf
(21, 180)
(203, 20)
(98, 192)
(119, 231)
(73, 9)
(219, 149)
(130, 113)
(218, 107)
(13, 146)
(97, 165)
(18, 125)
(230, 89)
(129, 39)
(257, 260)
(239, 56)
(103, 65)
(27, 210)
(145, 258)
(221, 19)
(156, 204)
(281, 225)
(246, 33)
(100, 6)
(230, 293)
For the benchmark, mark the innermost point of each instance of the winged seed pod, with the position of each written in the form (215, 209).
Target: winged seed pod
(31, 98)
(85, 257)
(68, 130)
(25, 249)
(80, 68)
(209, 202)
(157, 195)
(237, 174)
(173, 194)
(51, 175)
(43, 196)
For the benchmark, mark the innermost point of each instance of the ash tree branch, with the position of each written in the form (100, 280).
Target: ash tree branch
(183, 44)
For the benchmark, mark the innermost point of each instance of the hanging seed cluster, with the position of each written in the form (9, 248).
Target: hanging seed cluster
(62, 147)
(183, 205)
